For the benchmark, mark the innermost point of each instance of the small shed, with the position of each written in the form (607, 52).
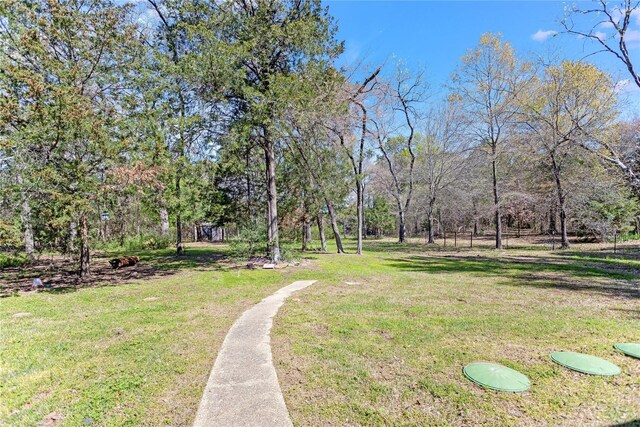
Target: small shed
(210, 232)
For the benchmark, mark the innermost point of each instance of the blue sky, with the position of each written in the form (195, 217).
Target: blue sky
(435, 34)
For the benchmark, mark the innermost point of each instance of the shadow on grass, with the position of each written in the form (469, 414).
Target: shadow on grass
(462, 244)
(634, 423)
(544, 272)
(60, 274)
(630, 253)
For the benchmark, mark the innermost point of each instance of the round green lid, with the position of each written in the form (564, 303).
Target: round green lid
(629, 348)
(585, 363)
(496, 377)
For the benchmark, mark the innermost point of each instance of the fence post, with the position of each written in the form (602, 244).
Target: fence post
(472, 240)
(444, 234)
(615, 241)
(455, 239)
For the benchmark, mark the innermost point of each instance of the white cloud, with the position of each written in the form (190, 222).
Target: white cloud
(542, 35)
(632, 36)
(617, 15)
(626, 86)
(636, 14)
(600, 35)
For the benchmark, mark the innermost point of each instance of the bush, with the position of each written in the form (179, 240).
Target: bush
(625, 237)
(137, 243)
(10, 237)
(288, 252)
(12, 260)
(250, 242)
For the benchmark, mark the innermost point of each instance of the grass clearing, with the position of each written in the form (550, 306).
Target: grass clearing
(390, 349)
(133, 354)
(381, 339)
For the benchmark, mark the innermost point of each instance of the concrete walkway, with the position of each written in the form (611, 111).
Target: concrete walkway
(243, 388)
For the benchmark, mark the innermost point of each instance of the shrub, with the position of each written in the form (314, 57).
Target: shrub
(137, 243)
(12, 260)
(9, 236)
(250, 242)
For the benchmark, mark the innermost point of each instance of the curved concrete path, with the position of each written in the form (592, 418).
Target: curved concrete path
(243, 388)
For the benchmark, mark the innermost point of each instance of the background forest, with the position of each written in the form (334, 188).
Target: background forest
(122, 134)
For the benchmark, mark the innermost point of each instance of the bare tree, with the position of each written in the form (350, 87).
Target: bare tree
(486, 82)
(569, 102)
(351, 135)
(312, 146)
(440, 156)
(619, 17)
(620, 147)
(400, 102)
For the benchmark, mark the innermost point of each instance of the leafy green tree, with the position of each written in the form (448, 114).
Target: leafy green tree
(378, 216)
(181, 120)
(567, 104)
(486, 82)
(268, 46)
(65, 66)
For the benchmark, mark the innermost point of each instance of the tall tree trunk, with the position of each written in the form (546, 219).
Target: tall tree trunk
(179, 248)
(402, 227)
(552, 220)
(306, 225)
(334, 225)
(307, 230)
(563, 224)
(164, 221)
(85, 254)
(27, 225)
(561, 205)
(306, 233)
(430, 239)
(323, 239)
(248, 183)
(475, 217)
(272, 202)
(496, 199)
(360, 213)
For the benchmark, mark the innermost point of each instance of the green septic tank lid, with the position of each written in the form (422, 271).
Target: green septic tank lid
(585, 363)
(496, 377)
(629, 348)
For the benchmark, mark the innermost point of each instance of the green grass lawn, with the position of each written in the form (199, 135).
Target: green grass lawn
(386, 349)
(130, 354)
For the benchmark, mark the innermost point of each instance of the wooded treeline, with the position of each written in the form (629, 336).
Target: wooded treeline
(235, 114)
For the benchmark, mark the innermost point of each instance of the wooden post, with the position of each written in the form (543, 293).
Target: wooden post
(455, 239)
(615, 241)
(444, 235)
(472, 239)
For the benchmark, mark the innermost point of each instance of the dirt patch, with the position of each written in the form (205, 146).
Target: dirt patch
(320, 330)
(51, 420)
(59, 274)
